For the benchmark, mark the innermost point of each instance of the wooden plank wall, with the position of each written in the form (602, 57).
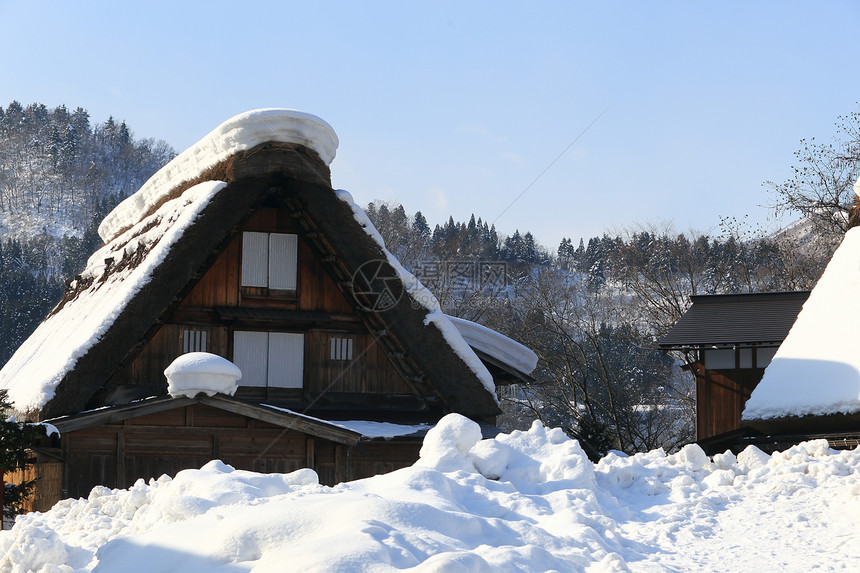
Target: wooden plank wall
(49, 487)
(370, 370)
(720, 398)
(118, 454)
(220, 285)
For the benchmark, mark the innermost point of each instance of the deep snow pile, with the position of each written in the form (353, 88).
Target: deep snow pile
(816, 370)
(196, 372)
(527, 501)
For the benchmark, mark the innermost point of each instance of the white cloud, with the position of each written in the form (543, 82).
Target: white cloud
(439, 199)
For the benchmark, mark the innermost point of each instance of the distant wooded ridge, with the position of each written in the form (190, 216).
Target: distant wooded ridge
(592, 309)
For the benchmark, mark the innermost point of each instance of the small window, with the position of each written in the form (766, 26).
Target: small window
(340, 349)
(269, 260)
(745, 357)
(763, 356)
(720, 359)
(193, 341)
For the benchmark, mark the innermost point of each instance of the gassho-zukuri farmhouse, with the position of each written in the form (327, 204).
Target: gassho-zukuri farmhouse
(240, 250)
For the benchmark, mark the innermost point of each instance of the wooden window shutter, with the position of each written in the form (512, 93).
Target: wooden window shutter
(255, 259)
(250, 354)
(282, 261)
(286, 359)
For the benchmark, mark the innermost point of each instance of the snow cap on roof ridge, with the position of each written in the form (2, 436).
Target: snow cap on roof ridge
(239, 133)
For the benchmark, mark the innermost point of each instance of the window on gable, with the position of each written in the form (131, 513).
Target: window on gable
(193, 341)
(269, 260)
(340, 348)
(273, 359)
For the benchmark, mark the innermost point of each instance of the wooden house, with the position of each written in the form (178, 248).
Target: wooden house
(731, 340)
(241, 247)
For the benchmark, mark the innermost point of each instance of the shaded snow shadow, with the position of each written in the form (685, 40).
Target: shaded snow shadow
(126, 556)
(799, 387)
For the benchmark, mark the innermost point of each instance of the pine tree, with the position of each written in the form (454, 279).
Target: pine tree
(420, 227)
(13, 456)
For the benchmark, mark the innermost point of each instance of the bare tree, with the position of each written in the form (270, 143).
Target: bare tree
(821, 187)
(607, 385)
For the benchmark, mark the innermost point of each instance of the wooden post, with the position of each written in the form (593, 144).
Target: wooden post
(120, 458)
(310, 460)
(339, 469)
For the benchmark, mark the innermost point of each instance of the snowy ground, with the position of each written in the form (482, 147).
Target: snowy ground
(528, 501)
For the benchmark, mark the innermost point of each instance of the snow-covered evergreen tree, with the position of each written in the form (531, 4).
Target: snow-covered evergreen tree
(14, 456)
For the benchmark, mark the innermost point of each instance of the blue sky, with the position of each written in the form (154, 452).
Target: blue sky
(455, 108)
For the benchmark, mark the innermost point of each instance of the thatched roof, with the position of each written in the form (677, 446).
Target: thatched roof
(133, 284)
(813, 381)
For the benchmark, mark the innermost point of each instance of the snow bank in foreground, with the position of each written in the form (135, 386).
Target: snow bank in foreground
(526, 501)
(816, 370)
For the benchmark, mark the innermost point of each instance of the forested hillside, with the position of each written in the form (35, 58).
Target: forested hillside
(59, 176)
(592, 309)
(593, 312)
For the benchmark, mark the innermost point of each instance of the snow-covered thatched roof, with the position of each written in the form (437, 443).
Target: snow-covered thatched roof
(813, 381)
(161, 240)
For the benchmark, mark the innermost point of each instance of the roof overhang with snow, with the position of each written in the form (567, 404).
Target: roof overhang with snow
(277, 416)
(498, 351)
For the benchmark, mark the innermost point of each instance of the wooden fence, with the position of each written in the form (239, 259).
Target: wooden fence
(49, 487)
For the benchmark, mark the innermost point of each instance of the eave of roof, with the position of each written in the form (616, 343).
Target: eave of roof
(753, 319)
(262, 412)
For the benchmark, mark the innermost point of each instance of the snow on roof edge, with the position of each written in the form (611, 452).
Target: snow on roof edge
(816, 370)
(425, 298)
(496, 344)
(239, 133)
(367, 428)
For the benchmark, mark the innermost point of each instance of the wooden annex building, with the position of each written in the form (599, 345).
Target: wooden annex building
(731, 339)
(241, 248)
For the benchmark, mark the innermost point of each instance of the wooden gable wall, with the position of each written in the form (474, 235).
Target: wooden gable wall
(317, 308)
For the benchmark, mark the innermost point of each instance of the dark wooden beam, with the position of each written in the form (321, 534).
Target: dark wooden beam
(284, 419)
(119, 413)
